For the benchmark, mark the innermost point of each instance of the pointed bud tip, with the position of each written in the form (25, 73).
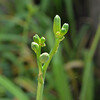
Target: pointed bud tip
(56, 24)
(66, 24)
(42, 39)
(57, 16)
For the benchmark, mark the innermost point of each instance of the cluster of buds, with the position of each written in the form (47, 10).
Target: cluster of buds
(58, 31)
(40, 42)
(36, 45)
(44, 59)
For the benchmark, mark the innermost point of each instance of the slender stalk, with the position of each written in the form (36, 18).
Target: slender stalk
(45, 58)
(88, 67)
(42, 72)
(40, 90)
(40, 78)
(71, 18)
(53, 51)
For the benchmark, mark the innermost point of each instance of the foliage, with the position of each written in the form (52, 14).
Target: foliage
(71, 71)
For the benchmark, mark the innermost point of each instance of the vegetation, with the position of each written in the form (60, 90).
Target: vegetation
(70, 75)
(45, 58)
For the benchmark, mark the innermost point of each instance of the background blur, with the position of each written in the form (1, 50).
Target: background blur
(74, 72)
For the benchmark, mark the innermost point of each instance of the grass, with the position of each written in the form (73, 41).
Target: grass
(19, 21)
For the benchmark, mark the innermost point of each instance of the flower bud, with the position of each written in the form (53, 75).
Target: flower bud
(34, 46)
(42, 43)
(42, 39)
(56, 24)
(44, 57)
(65, 26)
(63, 32)
(36, 38)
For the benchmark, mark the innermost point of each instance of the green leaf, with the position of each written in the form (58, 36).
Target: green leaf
(44, 5)
(62, 86)
(10, 37)
(13, 89)
(14, 59)
(71, 17)
(87, 85)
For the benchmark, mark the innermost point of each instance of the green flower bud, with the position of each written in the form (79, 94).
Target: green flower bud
(42, 42)
(56, 24)
(44, 57)
(63, 32)
(34, 46)
(42, 39)
(65, 26)
(36, 38)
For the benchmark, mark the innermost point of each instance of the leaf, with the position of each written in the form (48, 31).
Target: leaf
(71, 17)
(13, 89)
(10, 37)
(27, 84)
(84, 29)
(87, 87)
(44, 5)
(6, 99)
(9, 47)
(15, 60)
(62, 86)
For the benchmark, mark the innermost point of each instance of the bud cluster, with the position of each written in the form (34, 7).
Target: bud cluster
(58, 31)
(44, 59)
(39, 42)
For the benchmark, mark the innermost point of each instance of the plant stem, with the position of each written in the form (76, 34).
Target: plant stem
(42, 70)
(40, 90)
(40, 78)
(53, 51)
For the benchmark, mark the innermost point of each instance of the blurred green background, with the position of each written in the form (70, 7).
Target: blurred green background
(74, 72)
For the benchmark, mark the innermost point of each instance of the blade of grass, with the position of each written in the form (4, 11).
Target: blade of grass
(20, 5)
(14, 60)
(10, 37)
(27, 84)
(9, 47)
(90, 89)
(87, 76)
(44, 20)
(62, 85)
(44, 5)
(81, 33)
(6, 99)
(67, 47)
(12, 88)
(71, 18)
(58, 4)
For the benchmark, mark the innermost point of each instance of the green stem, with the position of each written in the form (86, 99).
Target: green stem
(40, 88)
(38, 62)
(42, 70)
(40, 78)
(53, 51)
